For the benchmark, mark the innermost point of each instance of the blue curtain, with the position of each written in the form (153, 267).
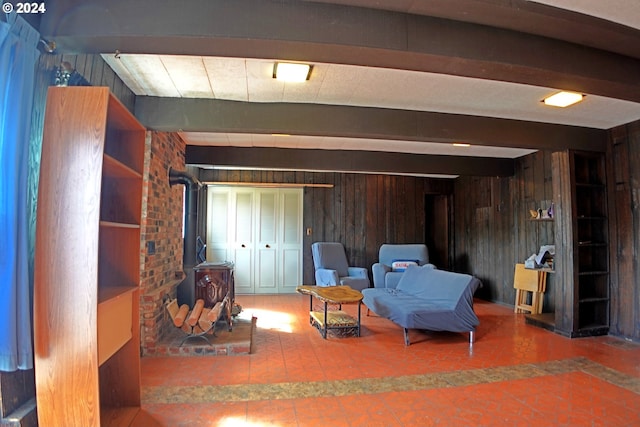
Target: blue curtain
(18, 55)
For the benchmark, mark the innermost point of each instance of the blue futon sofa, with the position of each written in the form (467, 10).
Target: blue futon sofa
(428, 298)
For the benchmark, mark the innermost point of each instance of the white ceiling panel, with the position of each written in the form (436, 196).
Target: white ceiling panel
(228, 78)
(338, 86)
(232, 140)
(265, 141)
(116, 64)
(150, 74)
(261, 84)
(252, 80)
(305, 91)
(625, 12)
(188, 75)
(341, 143)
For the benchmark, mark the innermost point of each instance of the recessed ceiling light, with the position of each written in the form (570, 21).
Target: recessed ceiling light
(291, 72)
(563, 99)
(461, 144)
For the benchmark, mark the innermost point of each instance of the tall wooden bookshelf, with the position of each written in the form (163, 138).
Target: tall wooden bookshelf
(87, 261)
(582, 243)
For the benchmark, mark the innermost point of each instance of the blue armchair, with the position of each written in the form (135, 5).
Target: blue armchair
(384, 273)
(332, 268)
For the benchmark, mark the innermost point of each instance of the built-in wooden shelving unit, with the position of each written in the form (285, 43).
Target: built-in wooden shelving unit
(87, 261)
(582, 297)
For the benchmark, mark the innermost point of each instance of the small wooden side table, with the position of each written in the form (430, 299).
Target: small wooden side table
(332, 319)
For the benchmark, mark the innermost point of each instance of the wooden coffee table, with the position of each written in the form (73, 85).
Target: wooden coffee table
(332, 319)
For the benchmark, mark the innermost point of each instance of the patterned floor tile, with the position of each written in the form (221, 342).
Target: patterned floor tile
(514, 374)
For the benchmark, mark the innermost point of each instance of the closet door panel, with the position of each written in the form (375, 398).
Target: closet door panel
(242, 240)
(260, 230)
(218, 204)
(291, 270)
(290, 240)
(267, 241)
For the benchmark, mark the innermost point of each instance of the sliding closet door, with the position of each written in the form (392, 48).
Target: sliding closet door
(290, 243)
(218, 201)
(242, 239)
(260, 230)
(266, 241)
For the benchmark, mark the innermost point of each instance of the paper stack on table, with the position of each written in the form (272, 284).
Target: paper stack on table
(537, 260)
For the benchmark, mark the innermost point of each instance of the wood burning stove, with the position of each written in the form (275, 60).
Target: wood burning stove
(213, 282)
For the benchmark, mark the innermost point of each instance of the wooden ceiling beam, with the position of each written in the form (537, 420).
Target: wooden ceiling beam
(346, 161)
(208, 115)
(342, 34)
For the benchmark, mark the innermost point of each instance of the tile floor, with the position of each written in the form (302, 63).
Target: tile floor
(514, 375)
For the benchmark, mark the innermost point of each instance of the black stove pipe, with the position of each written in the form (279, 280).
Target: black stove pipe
(192, 185)
(189, 256)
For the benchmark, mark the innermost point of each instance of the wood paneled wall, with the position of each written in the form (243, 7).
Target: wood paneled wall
(361, 211)
(492, 231)
(90, 66)
(624, 219)
(93, 69)
(492, 227)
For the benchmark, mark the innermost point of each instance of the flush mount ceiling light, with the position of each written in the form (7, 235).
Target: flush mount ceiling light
(291, 72)
(461, 144)
(563, 99)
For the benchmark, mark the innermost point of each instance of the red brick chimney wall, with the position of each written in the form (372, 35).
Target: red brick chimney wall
(161, 246)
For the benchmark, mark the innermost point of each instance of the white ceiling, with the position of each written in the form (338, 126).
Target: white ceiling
(251, 80)
(625, 12)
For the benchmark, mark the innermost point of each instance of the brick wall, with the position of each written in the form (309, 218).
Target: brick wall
(162, 217)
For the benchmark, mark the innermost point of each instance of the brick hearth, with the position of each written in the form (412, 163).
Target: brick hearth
(224, 343)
